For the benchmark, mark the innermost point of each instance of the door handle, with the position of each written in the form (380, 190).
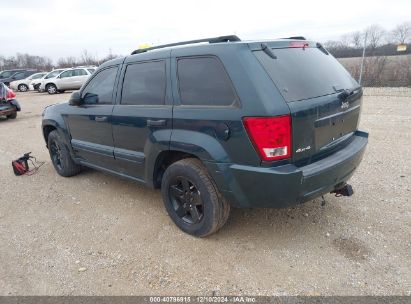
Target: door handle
(156, 123)
(100, 118)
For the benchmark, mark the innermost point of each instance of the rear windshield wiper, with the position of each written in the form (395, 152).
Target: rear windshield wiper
(322, 49)
(345, 93)
(268, 51)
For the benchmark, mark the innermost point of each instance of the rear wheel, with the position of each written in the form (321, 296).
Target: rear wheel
(192, 200)
(12, 116)
(51, 88)
(60, 156)
(23, 88)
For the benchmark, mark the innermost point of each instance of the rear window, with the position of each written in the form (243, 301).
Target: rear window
(305, 73)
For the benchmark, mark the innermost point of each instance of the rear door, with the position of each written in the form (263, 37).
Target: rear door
(323, 98)
(142, 117)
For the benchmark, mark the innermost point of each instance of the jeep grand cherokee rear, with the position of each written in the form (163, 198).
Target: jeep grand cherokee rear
(315, 148)
(216, 125)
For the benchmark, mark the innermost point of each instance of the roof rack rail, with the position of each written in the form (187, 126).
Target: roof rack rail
(229, 38)
(296, 38)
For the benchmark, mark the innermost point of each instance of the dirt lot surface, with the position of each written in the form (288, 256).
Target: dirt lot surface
(95, 234)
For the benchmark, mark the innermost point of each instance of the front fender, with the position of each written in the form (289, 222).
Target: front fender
(53, 119)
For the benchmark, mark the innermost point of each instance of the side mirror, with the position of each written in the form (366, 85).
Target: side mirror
(75, 99)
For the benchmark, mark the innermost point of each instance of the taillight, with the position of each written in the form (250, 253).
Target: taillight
(10, 95)
(271, 136)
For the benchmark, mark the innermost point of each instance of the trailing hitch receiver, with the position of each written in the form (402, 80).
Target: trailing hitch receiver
(343, 190)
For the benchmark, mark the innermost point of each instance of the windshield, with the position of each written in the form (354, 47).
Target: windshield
(37, 76)
(305, 73)
(6, 74)
(53, 74)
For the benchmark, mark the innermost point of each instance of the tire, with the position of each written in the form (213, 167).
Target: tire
(51, 88)
(23, 88)
(192, 199)
(60, 156)
(12, 116)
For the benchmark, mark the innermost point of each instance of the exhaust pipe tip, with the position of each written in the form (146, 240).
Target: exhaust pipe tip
(343, 190)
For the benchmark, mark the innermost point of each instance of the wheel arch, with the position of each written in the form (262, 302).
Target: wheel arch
(50, 125)
(163, 160)
(50, 83)
(47, 129)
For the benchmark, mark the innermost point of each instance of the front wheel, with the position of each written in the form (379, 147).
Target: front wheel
(192, 199)
(51, 89)
(60, 156)
(23, 88)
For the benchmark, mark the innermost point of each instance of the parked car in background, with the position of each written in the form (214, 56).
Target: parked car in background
(70, 79)
(23, 85)
(9, 73)
(8, 103)
(17, 75)
(37, 82)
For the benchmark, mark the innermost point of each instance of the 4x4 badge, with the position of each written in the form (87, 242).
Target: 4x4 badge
(345, 105)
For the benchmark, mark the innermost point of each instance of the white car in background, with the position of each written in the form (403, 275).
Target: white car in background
(70, 79)
(37, 82)
(23, 85)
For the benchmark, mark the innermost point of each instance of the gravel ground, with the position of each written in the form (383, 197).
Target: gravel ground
(95, 234)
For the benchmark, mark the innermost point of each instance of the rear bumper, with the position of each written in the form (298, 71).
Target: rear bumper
(7, 110)
(283, 186)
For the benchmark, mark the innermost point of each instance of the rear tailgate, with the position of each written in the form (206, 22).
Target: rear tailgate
(323, 98)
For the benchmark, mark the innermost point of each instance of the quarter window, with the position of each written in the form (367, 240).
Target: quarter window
(144, 84)
(100, 89)
(204, 81)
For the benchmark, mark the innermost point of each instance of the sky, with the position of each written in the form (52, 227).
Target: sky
(64, 28)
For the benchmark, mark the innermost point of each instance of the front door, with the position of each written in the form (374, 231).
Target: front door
(142, 117)
(90, 123)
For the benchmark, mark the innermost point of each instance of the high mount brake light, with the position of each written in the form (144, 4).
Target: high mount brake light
(299, 44)
(271, 136)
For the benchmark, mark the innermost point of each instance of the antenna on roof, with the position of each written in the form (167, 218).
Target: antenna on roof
(229, 38)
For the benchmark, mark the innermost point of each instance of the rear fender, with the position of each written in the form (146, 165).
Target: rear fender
(205, 147)
(202, 145)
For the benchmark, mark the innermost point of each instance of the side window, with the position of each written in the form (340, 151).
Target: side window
(204, 81)
(144, 84)
(79, 72)
(91, 70)
(100, 89)
(66, 74)
(19, 76)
